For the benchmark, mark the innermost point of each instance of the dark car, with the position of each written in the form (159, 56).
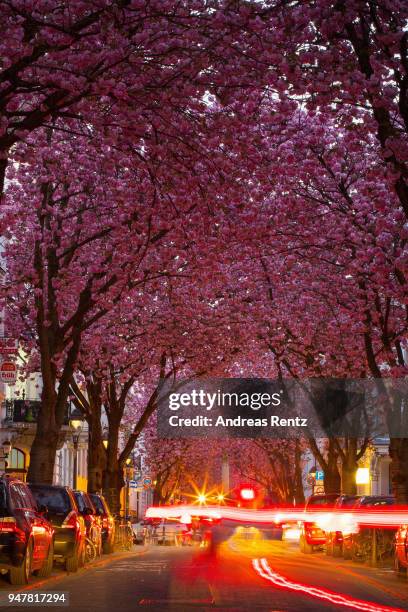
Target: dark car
(312, 536)
(334, 539)
(26, 537)
(358, 545)
(93, 522)
(108, 522)
(61, 510)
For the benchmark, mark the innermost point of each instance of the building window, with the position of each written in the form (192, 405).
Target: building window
(16, 459)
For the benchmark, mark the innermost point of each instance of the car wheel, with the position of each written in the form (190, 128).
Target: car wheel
(72, 563)
(21, 575)
(46, 569)
(400, 570)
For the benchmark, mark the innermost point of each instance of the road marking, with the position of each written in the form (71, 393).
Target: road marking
(328, 563)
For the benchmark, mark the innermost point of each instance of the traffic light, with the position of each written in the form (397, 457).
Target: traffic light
(247, 493)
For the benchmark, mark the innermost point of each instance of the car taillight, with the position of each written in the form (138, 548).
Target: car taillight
(8, 523)
(71, 521)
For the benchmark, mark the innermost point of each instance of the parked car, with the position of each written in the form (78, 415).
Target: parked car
(108, 522)
(358, 545)
(312, 536)
(401, 551)
(62, 511)
(334, 539)
(26, 536)
(93, 521)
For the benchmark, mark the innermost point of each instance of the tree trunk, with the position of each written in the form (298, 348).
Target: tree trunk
(399, 469)
(113, 483)
(349, 467)
(348, 476)
(332, 480)
(42, 457)
(96, 452)
(113, 480)
(299, 494)
(45, 443)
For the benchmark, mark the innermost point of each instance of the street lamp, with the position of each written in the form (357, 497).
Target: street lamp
(362, 476)
(77, 427)
(105, 438)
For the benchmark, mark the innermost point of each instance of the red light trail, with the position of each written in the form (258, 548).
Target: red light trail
(262, 567)
(343, 520)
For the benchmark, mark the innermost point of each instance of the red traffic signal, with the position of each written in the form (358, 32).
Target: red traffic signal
(247, 493)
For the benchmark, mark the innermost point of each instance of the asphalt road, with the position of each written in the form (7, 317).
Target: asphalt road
(243, 576)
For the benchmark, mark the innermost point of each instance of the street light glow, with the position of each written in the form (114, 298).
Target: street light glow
(362, 476)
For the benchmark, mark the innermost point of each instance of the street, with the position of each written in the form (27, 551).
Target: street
(184, 578)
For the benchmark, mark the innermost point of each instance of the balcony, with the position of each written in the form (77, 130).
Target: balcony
(25, 411)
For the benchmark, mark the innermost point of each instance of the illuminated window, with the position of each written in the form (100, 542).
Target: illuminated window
(16, 459)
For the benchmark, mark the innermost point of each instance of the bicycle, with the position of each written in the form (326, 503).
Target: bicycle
(90, 550)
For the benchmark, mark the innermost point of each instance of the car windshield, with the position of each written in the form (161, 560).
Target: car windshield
(322, 501)
(55, 499)
(385, 501)
(348, 502)
(97, 502)
(81, 503)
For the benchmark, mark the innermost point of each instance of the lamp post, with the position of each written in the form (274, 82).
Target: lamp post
(128, 469)
(76, 426)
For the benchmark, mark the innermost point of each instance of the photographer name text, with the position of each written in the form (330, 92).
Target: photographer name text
(205, 421)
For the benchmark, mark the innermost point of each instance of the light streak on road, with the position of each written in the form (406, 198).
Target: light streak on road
(262, 567)
(341, 520)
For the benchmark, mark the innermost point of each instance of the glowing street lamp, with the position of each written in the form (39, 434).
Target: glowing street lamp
(105, 437)
(76, 427)
(362, 476)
